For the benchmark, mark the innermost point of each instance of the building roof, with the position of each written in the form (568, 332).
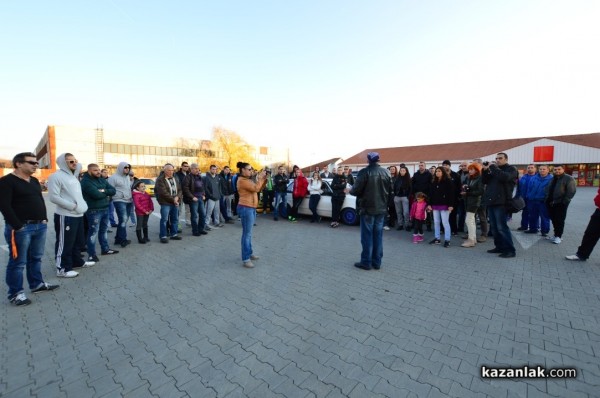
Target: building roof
(463, 150)
(320, 164)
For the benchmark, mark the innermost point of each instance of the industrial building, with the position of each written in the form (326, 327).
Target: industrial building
(146, 153)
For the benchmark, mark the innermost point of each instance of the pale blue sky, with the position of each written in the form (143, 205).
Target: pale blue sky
(328, 78)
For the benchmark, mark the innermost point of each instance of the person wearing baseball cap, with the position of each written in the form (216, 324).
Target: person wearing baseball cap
(372, 189)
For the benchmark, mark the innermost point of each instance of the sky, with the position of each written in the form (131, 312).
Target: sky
(327, 78)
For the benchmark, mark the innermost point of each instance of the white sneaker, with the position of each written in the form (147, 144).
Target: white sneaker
(88, 264)
(70, 274)
(556, 240)
(386, 228)
(550, 237)
(574, 257)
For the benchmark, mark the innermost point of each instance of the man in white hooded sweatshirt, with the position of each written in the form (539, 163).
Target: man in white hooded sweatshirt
(64, 190)
(123, 201)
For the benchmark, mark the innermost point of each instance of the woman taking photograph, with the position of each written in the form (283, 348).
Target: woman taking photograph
(441, 200)
(315, 191)
(246, 208)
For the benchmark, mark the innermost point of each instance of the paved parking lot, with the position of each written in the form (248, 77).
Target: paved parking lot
(185, 319)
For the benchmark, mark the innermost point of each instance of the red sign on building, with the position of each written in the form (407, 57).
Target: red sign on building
(543, 153)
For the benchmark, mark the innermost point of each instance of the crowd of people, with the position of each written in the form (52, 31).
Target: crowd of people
(450, 201)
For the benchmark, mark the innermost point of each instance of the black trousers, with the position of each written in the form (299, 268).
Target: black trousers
(590, 237)
(558, 214)
(70, 238)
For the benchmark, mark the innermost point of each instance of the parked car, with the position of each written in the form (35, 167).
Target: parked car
(349, 214)
(149, 185)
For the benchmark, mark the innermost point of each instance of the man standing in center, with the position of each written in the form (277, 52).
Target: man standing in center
(372, 189)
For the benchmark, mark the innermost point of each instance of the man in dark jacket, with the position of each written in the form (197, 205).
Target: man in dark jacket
(183, 172)
(193, 196)
(500, 179)
(228, 194)
(168, 195)
(560, 192)
(372, 188)
(97, 193)
(213, 188)
(281, 182)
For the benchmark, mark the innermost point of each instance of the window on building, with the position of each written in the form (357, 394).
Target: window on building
(121, 148)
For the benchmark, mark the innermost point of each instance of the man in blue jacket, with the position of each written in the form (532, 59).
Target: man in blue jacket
(536, 193)
(523, 190)
(96, 193)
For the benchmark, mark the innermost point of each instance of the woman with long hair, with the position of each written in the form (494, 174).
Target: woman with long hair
(441, 200)
(246, 208)
(402, 190)
(314, 188)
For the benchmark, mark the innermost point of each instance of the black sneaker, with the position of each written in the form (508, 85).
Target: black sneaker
(446, 244)
(164, 240)
(435, 242)
(125, 243)
(19, 299)
(176, 237)
(44, 287)
(109, 251)
(93, 258)
(203, 232)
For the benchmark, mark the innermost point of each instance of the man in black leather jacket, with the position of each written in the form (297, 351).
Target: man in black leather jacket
(372, 189)
(500, 179)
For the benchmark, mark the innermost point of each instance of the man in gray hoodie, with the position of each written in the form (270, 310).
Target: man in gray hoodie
(123, 201)
(64, 190)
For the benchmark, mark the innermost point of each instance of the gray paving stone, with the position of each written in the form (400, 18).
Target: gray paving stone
(315, 328)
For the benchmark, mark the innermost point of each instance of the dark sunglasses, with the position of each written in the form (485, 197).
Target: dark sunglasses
(72, 161)
(31, 162)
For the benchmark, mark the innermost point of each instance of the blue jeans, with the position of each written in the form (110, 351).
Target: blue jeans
(29, 244)
(123, 209)
(169, 212)
(248, 216)
(280, 200)
(538, 216)
(111, 213)
(97, 227)
(197, 216)
(443, 217)
(371, 239)
(502, 236)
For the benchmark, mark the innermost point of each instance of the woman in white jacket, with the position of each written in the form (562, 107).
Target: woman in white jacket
(314, 188)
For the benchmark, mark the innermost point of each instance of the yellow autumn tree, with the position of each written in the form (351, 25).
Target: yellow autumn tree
(229, 147)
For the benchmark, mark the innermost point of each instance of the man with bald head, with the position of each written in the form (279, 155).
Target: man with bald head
(168, 194)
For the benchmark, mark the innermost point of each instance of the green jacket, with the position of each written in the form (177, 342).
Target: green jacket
(91, 188)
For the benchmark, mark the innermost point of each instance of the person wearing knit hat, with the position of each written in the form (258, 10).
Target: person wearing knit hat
(372, 189)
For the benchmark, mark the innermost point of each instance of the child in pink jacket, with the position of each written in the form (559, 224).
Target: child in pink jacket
(143, 208)
(418, 215)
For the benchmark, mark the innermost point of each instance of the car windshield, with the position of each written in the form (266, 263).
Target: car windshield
(147, 181)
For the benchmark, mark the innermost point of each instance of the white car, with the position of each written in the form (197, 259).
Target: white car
(349, 214)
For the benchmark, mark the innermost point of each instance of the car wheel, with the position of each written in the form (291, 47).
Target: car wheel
(349, 216)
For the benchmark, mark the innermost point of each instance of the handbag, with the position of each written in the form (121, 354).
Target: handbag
(516, 203)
